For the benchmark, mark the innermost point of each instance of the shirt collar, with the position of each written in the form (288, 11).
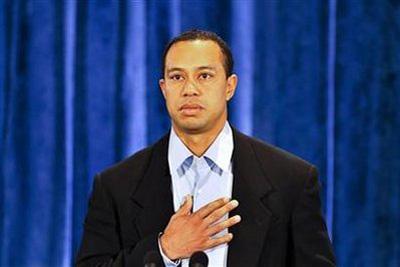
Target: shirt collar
(220, 151)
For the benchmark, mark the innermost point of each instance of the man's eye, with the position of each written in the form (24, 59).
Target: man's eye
(176, 77)
(205, 76)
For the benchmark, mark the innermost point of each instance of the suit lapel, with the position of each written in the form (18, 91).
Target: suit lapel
(250, 187)
(153, 197)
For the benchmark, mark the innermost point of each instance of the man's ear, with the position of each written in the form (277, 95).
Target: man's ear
(161, 82)
(231, 86)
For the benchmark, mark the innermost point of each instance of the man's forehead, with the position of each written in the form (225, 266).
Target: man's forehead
(195, 44)
(197, 52)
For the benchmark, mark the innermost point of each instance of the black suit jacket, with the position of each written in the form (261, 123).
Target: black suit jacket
(281, 225)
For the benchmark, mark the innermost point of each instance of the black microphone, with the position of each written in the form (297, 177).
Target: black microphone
(152, 259)
(198, 259)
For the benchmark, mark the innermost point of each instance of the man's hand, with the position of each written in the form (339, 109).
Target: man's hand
(189, 232)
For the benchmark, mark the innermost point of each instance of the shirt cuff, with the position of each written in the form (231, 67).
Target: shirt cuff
(166, 260)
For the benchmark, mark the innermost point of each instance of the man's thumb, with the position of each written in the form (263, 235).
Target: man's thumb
(186, 205)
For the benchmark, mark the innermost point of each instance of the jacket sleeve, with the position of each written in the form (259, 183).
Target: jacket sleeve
(312, 246)
(101, 243)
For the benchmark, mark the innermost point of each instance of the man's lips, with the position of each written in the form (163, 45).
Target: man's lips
(190, 109)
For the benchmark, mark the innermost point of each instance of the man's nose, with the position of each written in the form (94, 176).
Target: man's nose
(190, 88)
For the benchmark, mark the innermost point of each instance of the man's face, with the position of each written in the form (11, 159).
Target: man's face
(195, 86)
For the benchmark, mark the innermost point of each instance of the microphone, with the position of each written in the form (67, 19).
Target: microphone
(152, 259)
(198, 259)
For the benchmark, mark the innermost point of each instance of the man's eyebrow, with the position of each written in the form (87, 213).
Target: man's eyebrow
(174, 69)
(198, 68)
(206, 68)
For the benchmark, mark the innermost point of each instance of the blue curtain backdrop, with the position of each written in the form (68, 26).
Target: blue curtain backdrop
(79, 92)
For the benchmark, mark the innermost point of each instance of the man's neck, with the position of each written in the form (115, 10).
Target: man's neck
(198, 143)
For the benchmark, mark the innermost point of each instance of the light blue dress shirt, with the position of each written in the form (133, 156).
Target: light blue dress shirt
(206, 178)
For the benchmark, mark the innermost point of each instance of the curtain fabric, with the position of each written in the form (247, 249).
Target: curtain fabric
(79, 92)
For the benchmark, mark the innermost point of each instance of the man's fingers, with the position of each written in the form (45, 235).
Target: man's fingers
(210, 207)
(219, 213)
(186, 206)
(214, 229)
(213, 242)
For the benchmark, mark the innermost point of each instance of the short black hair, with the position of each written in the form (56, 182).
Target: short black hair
(197, 34)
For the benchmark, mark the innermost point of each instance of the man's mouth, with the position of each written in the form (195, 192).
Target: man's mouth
(190, 109)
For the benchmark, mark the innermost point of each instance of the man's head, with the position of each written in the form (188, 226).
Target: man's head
(197, 82)
(203, 35)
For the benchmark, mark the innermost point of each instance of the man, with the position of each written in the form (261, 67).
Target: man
(205, 186)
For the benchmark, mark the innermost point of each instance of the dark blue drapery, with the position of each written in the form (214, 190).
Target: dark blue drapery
(79, 91)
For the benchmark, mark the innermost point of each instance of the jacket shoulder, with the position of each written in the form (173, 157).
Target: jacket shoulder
(136, 161)
(122, 177)
(282, 167)
(278, 154)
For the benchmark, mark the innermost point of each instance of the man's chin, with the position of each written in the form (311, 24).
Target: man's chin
(191, 127)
